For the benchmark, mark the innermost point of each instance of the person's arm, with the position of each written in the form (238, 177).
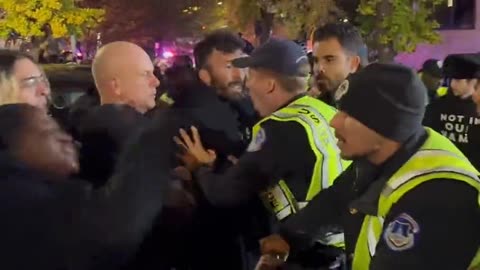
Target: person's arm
(434, 226)
(258, 167)
(117, 216)
(324, 209)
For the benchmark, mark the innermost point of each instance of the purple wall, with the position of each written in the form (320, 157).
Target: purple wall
(453, 41)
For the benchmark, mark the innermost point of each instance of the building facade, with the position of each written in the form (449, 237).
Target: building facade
(460, 33)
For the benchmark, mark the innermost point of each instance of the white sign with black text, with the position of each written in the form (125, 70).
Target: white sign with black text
(455, 127)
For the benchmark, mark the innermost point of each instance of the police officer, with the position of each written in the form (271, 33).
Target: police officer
(410, 198)
(293, 153)
(454, 115)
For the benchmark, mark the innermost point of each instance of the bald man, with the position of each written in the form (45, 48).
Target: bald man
(126, 85)
(123, 74)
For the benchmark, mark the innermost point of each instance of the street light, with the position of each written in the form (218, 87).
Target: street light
(219, 3)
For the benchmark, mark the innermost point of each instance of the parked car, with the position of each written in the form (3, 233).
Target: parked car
(69, 83)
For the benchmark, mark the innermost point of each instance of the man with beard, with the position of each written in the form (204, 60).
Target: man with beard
(338, 50)
(213, 99)
(213, 58)
(293, 153)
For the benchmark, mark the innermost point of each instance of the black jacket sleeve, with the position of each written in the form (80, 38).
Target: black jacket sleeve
(434, 226)
(117, 216)
(267, 160)
(324, 209)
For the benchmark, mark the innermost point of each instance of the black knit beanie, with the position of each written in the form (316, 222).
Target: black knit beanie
(387, 98)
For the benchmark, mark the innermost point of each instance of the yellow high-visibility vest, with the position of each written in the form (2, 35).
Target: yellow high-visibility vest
(438, 158)
(314, 116)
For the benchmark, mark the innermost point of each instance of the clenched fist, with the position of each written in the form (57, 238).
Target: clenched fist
(275, 245)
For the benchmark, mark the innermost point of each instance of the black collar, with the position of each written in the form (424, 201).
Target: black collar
(371, 184)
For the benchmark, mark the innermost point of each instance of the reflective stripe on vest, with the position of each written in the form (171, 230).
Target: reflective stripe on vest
(322, 140)
(475, 265)
(438, 158)
(314, 116)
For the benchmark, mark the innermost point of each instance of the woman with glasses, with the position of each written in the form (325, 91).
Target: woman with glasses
(22, 80)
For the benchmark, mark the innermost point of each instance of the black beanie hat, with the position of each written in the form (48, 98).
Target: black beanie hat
(387, 98)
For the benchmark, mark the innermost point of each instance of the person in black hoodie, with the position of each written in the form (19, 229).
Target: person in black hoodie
(213, 57)
(52, 222)
(193, 243)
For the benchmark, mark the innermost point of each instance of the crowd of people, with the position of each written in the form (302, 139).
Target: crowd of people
(263, 159)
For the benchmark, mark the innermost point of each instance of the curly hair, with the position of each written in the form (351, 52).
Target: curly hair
(221, 40)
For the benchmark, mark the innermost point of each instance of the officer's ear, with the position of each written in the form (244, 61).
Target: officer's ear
(355, 63)
(271, 84)
(205, 77)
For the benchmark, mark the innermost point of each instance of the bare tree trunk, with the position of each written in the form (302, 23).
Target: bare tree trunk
(263, 27)
(386, 54)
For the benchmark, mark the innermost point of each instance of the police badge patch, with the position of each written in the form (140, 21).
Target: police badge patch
(401, 233)
(257, 141)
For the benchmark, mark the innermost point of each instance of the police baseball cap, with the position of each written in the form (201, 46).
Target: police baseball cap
(281, 56)
(462, 66)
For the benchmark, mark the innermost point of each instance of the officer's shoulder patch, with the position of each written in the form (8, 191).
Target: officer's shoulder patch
(257, 141)
(401, 233)
(341, 90)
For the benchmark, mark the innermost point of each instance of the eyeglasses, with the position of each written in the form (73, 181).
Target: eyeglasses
(34, 81)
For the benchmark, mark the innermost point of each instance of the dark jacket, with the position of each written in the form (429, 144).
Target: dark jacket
(216, 121)
(210, 239)
(80, 108)
(246, 115)
(52, 223)
(439, 207)
(102, 133)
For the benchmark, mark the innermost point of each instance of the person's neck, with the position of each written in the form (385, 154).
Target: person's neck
(283, 99)
(105, 100)
(386, 151)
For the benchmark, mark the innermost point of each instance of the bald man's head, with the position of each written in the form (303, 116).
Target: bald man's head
(123, 74)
